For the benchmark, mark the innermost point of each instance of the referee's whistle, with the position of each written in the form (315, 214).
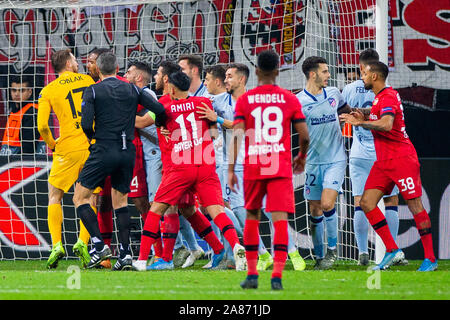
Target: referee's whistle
(124, 141)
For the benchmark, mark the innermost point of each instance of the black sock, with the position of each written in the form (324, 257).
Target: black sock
(123, 224)
(89, 218)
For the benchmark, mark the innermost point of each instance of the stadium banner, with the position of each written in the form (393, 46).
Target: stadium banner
(236, 30)
(24, 195)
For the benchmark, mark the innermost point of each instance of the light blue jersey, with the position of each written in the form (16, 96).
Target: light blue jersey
(327, 143)
(356, 96)
(225, 106)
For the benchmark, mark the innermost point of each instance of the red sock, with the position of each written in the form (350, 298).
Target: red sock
(251, 243)
(202, 226)
(169, 235)
(280, 245)
(158, 247)
(423, 224)
(379, 224)
(144, 216)
(149, 234)
(105, 224)
(227, 228)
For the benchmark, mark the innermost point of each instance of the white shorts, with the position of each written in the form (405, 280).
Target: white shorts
(323, 176)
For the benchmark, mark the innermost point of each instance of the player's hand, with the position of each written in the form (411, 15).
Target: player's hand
(206, 112)
(299, 164)
(353, 118)
(165, 133)
(233, 181)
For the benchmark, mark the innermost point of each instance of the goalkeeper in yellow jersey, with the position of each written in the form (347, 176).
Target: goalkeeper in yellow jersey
(70, 150)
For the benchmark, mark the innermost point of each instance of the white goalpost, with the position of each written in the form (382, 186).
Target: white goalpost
(152, 31)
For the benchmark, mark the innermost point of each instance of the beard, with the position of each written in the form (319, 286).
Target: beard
(368, 86)
(230, 91)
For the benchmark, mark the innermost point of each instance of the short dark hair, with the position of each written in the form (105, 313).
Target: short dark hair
(268, 60)
(217, 71)
(241, 68)
(107, 63)
(169, 67)
(312, 63)
(193, 60)
(22, 78)
(144, 67)
(99, 51)
(368, 55)
(380, 68)
(59, 59)
(180, 80)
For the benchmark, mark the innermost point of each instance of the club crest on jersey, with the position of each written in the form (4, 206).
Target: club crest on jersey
(332, 102)
(375, 102)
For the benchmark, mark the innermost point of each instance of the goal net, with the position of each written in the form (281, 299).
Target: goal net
(221, 31)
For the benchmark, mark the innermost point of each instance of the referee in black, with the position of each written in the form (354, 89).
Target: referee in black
(108, 115)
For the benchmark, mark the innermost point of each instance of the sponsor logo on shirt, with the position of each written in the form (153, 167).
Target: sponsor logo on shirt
(326, 118)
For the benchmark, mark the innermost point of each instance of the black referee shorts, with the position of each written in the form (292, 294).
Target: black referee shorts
(108, 159)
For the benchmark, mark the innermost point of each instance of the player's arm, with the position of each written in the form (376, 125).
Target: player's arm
(208, 113)
(44, 109)
(303, 142)
(148, 102)
(144, 119)
(357, 118)
(88, 112)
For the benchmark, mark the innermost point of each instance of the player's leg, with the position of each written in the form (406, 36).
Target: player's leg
(84, 210)
(203, 228)
(280, 201)
(54, 220)
(359, 170)
(119, 196)
(169, 233)
(406, 173)
(312, 192)
(251, 242)
(333, 177)
(105, 212)
(423, 224)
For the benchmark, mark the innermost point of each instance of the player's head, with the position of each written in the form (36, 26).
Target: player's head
(162, 74)
(214, 79)
(316, 71)
(107, 64)
(367, 56)
(179, 82)
(375, 72)
(64, 60)
(192, 65)
(21, 87)
(139, 73)
(92, 62)
(352, 74)
(267, 64)
(236, 77)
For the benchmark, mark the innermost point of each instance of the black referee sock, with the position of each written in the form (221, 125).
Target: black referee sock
(89, 218)
(123, 224)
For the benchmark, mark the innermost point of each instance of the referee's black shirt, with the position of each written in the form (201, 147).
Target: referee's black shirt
(109, 110)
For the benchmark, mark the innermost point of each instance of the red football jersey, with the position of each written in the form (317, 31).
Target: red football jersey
(164, 145)
(394, 143)
(267, 112)
(190, 139)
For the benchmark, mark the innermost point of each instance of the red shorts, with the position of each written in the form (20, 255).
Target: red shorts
(187, 200)
(178, 180)
(138, 186)
(280, 194)
(403, 172)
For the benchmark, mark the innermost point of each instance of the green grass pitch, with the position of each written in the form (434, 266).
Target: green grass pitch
(30, 280)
